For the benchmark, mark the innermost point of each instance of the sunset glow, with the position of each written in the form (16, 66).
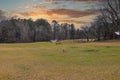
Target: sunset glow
(78, 12)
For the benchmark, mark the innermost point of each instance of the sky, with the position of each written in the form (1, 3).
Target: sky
(77, 12)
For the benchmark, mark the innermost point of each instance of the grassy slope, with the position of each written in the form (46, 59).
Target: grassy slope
(68, 61)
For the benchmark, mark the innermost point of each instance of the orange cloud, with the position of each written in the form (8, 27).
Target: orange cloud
(39, 7)
(58, 13)
(59, 1)
(73, 21)
(69, 12)
(61, 15)
(73, 0)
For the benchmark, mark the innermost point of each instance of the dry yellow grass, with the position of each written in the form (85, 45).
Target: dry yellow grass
(47, 61)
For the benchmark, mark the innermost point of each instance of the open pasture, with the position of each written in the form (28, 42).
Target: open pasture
(66, 61)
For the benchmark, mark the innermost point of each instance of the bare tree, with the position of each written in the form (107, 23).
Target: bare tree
(86, 32)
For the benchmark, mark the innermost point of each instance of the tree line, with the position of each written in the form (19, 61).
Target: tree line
(27, 30)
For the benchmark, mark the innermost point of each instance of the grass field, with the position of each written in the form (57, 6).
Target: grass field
(67, 61)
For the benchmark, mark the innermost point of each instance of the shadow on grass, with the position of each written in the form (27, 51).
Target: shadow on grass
(90, 50)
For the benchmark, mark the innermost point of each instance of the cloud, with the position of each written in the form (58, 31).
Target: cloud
(71, 13)
(27, 14)
(39, 7)
(73, 21)
(71, 0)
(60, 12)
(61, 15)
(60, 1)
(81, 0)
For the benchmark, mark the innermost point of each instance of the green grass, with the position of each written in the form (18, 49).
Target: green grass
(67, 61)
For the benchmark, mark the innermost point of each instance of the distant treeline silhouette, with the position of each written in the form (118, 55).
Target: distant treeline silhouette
(27, 30)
